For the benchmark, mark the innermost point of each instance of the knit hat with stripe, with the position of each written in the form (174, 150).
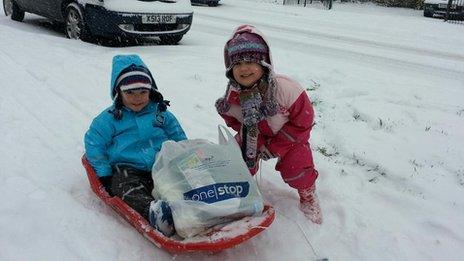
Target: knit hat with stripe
(133, 78)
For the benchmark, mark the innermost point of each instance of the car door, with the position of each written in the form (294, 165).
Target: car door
(53, 9)
(46, 8)
(25, 5)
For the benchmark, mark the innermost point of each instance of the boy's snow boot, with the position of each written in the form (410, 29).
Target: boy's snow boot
(160, 217)
(309, 204)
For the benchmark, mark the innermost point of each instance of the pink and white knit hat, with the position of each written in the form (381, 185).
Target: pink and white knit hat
(246, 46)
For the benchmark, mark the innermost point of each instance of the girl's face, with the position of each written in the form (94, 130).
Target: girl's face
(135, 100)
(247, 73)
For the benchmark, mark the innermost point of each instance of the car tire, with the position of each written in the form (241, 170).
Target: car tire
(170, 39)
(12, 9)
(8, 7)
(212, 4)
(75, 26)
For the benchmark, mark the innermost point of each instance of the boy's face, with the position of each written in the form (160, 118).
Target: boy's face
(136, 100)
(247, 73)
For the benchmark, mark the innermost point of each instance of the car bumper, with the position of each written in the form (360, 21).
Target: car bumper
(103, 22)
(456, 13)
(204, 1)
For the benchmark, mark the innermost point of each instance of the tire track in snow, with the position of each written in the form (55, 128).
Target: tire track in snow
(297, 40)
(42, 80)
(30, 107)
(328, 36)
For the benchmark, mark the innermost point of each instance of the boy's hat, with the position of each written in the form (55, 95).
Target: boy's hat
(246, 46)
(129, 72)
(134, 77)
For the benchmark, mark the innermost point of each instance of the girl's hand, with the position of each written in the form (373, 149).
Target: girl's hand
(265, 154)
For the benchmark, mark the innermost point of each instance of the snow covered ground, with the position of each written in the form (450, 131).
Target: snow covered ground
(388, 89)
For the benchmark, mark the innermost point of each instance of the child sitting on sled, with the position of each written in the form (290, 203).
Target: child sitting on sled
(122, 142)
(271, 113)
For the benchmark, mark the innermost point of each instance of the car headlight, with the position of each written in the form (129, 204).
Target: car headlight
(127, 27)
(97, 2)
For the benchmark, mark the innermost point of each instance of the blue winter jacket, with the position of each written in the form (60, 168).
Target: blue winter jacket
(133, 140)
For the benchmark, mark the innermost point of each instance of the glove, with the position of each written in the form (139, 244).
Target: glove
(265, 154)
(160, 217)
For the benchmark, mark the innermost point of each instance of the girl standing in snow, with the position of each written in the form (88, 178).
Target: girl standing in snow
(271, 113)
(122, 142)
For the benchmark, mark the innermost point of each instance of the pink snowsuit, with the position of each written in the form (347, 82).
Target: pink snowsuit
(285, 134)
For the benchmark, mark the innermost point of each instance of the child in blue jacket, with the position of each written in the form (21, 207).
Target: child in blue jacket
(122, 142)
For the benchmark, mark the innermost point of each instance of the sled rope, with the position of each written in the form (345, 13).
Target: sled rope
(258, 179)
(305, 236)
(258, 176)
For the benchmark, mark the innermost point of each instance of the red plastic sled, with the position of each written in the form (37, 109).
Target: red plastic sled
(219, 239)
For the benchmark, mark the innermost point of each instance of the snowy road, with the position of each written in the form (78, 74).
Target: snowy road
(297, 29)
(387, 85)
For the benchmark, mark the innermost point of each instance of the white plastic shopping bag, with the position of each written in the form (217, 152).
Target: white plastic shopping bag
(204, 183)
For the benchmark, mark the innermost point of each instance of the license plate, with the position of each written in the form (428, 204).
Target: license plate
(444, 6)
(158, 19)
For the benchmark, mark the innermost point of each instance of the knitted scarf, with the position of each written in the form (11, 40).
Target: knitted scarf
(257, 103)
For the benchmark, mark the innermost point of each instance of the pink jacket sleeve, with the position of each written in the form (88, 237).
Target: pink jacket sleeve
(297, 129)
(232, 122)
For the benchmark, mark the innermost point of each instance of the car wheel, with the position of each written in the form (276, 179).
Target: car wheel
(170, 39)
(75, 27)
(12, 9)
(213, 3)
(8, 7)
